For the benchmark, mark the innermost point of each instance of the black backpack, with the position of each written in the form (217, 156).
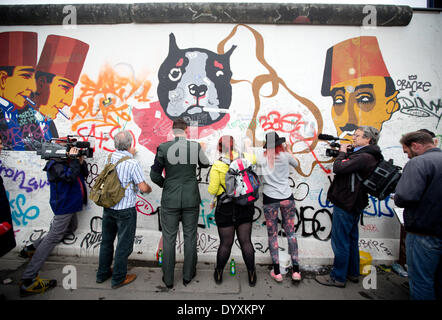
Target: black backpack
(382, 180)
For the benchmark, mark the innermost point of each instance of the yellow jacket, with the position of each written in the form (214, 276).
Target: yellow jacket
(217, 177)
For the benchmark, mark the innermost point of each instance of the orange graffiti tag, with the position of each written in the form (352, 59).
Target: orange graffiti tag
(105, 103)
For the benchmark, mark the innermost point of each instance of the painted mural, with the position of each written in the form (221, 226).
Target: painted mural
(357, 79)
(240, 80)
(34, 93)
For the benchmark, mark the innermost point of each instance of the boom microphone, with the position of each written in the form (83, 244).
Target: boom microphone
(82, 144)
(322, 136)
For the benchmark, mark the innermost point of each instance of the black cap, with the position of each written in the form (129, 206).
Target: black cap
(273, 140)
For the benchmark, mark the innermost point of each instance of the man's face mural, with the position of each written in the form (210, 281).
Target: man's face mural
(54, 93)
(18, 86)
(195, 84)
(58, 71)
(18, 57)
(357, 79)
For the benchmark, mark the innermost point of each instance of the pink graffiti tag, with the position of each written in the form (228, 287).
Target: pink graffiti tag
(143, 206)
(290, 123)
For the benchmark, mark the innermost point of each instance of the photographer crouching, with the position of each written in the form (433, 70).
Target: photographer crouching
(349, 198)
(66, 177)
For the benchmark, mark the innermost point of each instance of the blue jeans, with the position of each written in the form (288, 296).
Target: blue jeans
(122, 223)
(345, 244)
(423, 256)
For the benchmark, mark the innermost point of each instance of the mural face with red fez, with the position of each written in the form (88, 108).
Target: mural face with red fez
(58, 71)
(18, 57)
(357, 79)
(194, 84)
(18, 86)
(53, 95)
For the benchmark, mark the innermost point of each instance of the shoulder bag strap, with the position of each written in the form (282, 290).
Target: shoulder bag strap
(118, 162)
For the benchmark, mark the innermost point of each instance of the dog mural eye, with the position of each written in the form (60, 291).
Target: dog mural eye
(218, 65)
(175, 74)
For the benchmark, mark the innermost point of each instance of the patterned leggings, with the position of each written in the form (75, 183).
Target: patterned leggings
(288, 212)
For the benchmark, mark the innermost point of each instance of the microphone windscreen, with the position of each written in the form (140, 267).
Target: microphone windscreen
(82, 144)
(322, 136)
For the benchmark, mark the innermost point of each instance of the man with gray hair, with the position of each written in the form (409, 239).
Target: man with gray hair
(121, 219)
(419, 192)
(347, 194)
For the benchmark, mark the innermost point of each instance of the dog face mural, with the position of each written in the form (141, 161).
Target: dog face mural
(194, 84)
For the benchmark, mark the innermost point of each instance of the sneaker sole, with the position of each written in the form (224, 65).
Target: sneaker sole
(277, 280)
(24, 293)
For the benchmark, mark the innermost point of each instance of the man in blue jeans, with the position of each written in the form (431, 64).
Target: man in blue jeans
(419, 191)
(121, 219)
(350, 199)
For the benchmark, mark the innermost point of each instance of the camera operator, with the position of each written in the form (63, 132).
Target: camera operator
(67, 197)
(7, 238)
(350, 199)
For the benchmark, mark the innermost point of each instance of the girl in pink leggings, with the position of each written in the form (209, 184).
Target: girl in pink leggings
(277, 195)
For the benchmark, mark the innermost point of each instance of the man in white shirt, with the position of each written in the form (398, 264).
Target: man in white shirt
(121, 219)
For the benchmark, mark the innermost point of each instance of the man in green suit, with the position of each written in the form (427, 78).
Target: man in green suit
(180, 199)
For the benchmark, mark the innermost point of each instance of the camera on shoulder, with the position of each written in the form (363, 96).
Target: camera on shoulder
(58, 148)
(333, 151)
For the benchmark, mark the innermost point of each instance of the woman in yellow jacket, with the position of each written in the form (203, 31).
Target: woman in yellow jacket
(231, 217)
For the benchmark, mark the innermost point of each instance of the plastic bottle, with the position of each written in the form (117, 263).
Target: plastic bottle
(399, 270)
(160, 257)
(232, 267)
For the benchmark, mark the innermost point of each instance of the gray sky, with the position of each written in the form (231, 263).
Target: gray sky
(411, 3)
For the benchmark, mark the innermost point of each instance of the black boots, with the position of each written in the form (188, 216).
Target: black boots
(252, 277)
(218, 276)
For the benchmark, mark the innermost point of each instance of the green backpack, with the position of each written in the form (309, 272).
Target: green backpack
(107, 190)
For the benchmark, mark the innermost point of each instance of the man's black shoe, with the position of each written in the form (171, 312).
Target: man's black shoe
(169, 286)
(186, 282)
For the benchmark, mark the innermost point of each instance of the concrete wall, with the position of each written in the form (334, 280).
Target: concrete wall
(278, 83)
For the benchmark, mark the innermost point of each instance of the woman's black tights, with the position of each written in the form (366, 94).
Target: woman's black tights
(227, 236)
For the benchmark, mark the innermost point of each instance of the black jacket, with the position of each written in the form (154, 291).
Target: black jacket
(419, 191)
(7, 240)
(346, 190)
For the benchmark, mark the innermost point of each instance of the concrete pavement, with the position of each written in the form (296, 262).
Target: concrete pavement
(148, 285)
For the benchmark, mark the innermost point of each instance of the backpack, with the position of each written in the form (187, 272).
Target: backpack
(107, 190)
(242, 183)
(382, 180)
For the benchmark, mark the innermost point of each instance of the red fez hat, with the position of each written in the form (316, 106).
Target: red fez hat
(18, 48)
(352, 59)
(63, 57)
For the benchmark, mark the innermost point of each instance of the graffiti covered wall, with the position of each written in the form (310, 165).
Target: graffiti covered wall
(93, 81)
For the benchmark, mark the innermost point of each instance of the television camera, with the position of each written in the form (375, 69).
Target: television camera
(333, 144)
(58, 148)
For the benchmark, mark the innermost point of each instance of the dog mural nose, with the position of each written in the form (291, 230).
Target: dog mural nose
(197, 91)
